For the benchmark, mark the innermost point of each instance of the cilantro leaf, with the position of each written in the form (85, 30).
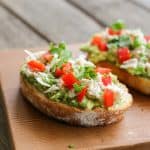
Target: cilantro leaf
(62, 45)
(121, 41)
(61, 50)
(136, 43)
(87, 72)
(118, 25)
(63, 54)
(124, 40)
(78, 87)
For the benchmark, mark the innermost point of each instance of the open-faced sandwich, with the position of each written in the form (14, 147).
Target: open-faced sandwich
(73, 90)
(126, 52)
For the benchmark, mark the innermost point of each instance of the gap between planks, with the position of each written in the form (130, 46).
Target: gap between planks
(125, 10)
(56, 23)
(141, 5)
(100, 22)
(12, 12)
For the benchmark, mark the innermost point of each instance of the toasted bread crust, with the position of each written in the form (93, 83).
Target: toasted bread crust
(136, 82)
(71, 115)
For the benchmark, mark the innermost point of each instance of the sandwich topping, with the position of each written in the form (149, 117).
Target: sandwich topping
(127, 49)
(75, 82)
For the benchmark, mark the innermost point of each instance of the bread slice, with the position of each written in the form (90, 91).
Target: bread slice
(69, 114)
(136, 82)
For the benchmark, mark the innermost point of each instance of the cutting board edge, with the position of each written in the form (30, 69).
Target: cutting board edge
(10, 130)
(11, 141)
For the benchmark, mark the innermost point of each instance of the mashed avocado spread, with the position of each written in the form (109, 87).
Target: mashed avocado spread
(128, 49)
(75, 82)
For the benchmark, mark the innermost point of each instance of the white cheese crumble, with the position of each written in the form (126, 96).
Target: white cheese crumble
(52, 89)
(33, 56)
(147, 65)
(42, 82)
(53, 62)
(115, 88)
(94, 89)
(136, 32)
(71, 93)
(30, 55)
(131, 63)
(82, 61)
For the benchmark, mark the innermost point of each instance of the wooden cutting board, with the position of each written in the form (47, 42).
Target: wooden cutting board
(31, 130)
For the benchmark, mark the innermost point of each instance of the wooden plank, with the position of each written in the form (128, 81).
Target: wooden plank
(108, 11)
(31, 130)
(143, 3)
(14, 34)
(55, 19)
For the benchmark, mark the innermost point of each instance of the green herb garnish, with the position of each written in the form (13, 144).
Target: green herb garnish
(63, 54)
(61, 50)
(124, 40)
(118, 25)
(78, 87)
(121, 41)
(89, 72)
(136, 43)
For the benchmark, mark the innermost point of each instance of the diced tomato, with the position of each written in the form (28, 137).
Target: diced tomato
(99, 43)
(114, 32)
(47, 56)
(147, 38)
(69, 79)
(123, 54)
(106, 80)
(103, 46)
(66, 67)
(81, 94)
(96, 40)
(58, 72)
(103, 70)
(108, 97)
(35, 65)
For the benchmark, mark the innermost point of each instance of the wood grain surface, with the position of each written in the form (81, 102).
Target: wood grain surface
(30, 129)
(58, 20)
(145, 4)
(14, 33)
(106, 11)
(32, 23)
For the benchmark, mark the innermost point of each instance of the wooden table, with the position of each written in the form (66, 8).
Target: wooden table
(26, 24)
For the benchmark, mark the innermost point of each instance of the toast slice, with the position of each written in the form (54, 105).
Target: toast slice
(69, 114)
(72, 90)
(125, 51)
(136, 82)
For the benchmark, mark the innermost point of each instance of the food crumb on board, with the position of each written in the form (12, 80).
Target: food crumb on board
(130, 133)
(71, 146)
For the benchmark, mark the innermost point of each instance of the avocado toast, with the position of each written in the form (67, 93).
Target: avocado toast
(73, 90)
(125, 51)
